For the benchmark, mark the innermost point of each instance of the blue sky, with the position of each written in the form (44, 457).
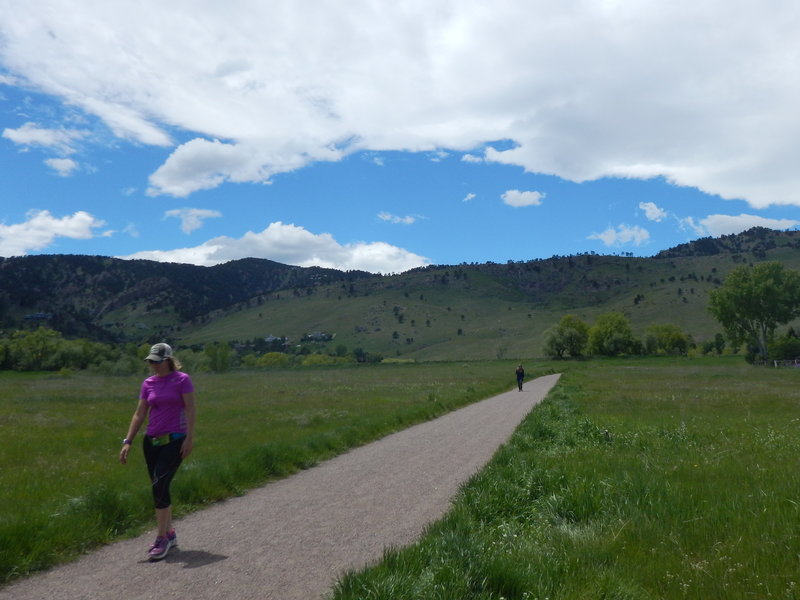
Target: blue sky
(385, 136)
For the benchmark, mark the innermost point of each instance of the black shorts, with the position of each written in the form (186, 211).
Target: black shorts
(162, 463)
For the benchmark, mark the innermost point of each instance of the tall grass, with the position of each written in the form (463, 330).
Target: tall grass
(62, 491)
(635, 479)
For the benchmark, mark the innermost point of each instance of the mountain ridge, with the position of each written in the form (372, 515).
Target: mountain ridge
(437, 311)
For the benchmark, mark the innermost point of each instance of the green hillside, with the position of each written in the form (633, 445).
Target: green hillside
(493, 310)
(110, 299)
(466, 311)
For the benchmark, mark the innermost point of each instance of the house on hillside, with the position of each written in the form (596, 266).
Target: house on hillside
(318, 336)
(39, 316)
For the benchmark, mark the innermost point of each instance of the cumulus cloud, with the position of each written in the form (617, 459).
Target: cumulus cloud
(63, 166)
(716, 225)
(390, 218)
(202, 164)
(652, 211)
(520, 199)
(623, 234)
(41, 228)
(31, 134)
(469, 197)
(294, 245)
(192, 218)
(647, 92)
(471, 158)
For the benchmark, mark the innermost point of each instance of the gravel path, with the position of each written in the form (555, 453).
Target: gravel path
(291, 539)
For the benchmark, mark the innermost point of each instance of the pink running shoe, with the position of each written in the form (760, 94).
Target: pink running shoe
(159, 548)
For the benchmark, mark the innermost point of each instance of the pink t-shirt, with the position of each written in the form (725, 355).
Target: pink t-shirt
(164, 396)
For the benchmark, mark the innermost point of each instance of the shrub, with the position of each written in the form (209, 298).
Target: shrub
(272, 359)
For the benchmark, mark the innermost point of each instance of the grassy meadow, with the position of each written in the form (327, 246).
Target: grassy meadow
(637, 479)
(62, 491)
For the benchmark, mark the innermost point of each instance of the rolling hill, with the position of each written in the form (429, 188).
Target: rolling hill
(432, 313)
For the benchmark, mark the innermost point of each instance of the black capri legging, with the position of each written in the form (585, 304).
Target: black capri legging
(162, 464)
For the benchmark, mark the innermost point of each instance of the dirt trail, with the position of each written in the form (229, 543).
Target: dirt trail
(291, 539)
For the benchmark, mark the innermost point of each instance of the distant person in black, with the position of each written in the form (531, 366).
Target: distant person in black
(520, 376)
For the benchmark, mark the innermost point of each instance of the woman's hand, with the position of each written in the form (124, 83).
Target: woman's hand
(187, 446)
(123, 453)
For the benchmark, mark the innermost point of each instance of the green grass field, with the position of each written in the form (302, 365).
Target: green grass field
(62, 490)
(637, 479)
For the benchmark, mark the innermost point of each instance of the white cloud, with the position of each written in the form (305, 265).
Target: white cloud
(716, 225)
(8, 80)
(131, 230)
(202, 164)
(652, 211)
(689, 223)
(623, 234)
(688, 90)
(469, 197)
(390, 218)
(294, 245)
(30, 134)
(192, 218)
(519, 199)
(63, 166)
(41, 229)
(471, 158)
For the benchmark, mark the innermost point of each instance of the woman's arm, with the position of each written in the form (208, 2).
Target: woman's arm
(136, 423)
(189, 411)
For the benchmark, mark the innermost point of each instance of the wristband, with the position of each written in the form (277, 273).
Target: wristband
(127, 441)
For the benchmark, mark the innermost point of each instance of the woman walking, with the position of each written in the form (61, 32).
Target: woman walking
(520, 376)
(167, 397)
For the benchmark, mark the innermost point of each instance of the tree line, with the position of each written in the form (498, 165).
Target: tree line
(611, 335)
(45, 349)
(750, 305)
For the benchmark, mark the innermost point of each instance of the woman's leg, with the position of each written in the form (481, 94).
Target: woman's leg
(164, 520)
(162, 464)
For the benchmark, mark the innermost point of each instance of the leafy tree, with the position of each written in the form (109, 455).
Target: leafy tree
(719, 343)
(316, 359)
(193, 361)
(363, 356)
(666, 339)
(35, 350)
(5, 354)
(81, 353)
(568, 337)
(219, 357)
(786, 347)
(575, 334)
(753, 301)
(274, 359)
(611, 335)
